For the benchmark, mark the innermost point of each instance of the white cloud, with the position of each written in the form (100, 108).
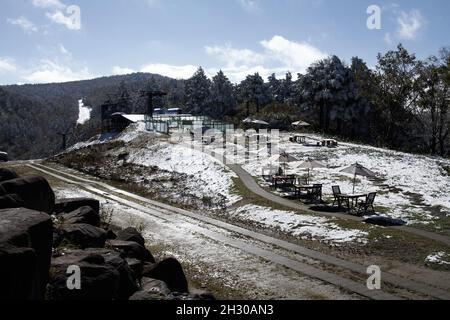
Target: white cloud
(250, 5)
(117, 71)
(233, 57)
(50, 72)
(23, 23)
(7, 65)
(279, 55)
(410, 24)
(177, 72)
(72, 21)
(297, 56)
(49, 4)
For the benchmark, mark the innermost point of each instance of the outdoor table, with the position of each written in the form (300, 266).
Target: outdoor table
(350, 199)
(282, 179)
(300, 188)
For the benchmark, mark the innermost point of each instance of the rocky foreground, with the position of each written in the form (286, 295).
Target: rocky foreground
(46, 243)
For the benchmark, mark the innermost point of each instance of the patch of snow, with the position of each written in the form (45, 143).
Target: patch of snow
(441, 258)
(84, 113)
(299, 225)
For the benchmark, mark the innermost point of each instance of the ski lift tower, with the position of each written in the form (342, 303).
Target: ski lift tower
(150, 94)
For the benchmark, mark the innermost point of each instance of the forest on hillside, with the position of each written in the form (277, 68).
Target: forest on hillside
(403, 103)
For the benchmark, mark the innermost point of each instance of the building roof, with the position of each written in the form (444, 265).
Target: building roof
(131, 117)
(135, 117)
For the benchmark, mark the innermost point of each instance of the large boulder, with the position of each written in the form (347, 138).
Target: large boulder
(131, 234)
(2, 191)
(70, 205)
(99, 280)
(171, 272)
(84, 215)
(128, 283)
(83, 235)
(131, 249)
(17, 270)
(10, 201)
(24, 228)
(35, 191)
(7, 174)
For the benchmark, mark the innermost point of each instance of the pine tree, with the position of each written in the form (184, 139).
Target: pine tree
(254, 90)
(223, 98)
(197, 92)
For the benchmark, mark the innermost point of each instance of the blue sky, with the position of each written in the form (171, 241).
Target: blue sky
(47, 41)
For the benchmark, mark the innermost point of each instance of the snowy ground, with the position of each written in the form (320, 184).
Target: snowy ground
(306, 227)
(229, 267)
(208, 177)
(411, 187)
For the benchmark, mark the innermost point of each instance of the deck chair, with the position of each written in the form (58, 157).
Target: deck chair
(366, 207)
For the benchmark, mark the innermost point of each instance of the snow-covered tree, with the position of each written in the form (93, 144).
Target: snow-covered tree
(197, 92)
(253, 90)
(223, 97)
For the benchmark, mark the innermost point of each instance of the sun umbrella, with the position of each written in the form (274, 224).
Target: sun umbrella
(311, 164)
(301, 124)
(358, 170)
(285, 158)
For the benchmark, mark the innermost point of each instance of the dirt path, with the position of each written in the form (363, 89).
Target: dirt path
(267, 248)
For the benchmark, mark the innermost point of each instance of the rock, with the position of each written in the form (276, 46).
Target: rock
(111, 235)
(99, 280)
(131, 234)
(24, 228)
(17, 269)
(171, 272)
(131, 249)
(35, 191)
(70, 205)
(147, 296)
(7, 174)
(83, 215)
(128, 280)
(136, 266)
(155, 286)
(84, 235)
(2, 191)
(385, 221)
(97, 259)
(10, 201)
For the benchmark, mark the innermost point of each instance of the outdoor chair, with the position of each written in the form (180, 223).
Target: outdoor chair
(366, 207)
(336, 193)
(316, 193)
